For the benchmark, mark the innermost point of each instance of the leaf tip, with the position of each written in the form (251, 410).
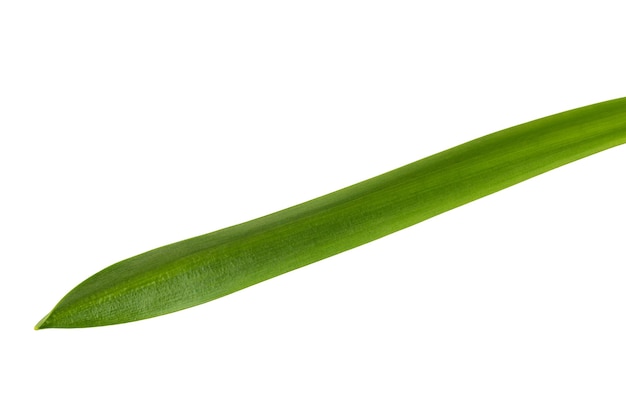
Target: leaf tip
(42, 322)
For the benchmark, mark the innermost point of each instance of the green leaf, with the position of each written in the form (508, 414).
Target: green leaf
(206, 267)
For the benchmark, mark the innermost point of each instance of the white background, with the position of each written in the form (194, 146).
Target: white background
(126, 125)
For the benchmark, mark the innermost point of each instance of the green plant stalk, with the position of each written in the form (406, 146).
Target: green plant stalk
(201, 269)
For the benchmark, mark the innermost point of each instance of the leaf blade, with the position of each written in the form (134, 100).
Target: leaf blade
(201, 269)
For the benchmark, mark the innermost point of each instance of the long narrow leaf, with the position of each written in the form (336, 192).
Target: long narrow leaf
(206, 267)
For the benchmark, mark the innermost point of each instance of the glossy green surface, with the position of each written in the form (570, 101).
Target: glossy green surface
(206, 267)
